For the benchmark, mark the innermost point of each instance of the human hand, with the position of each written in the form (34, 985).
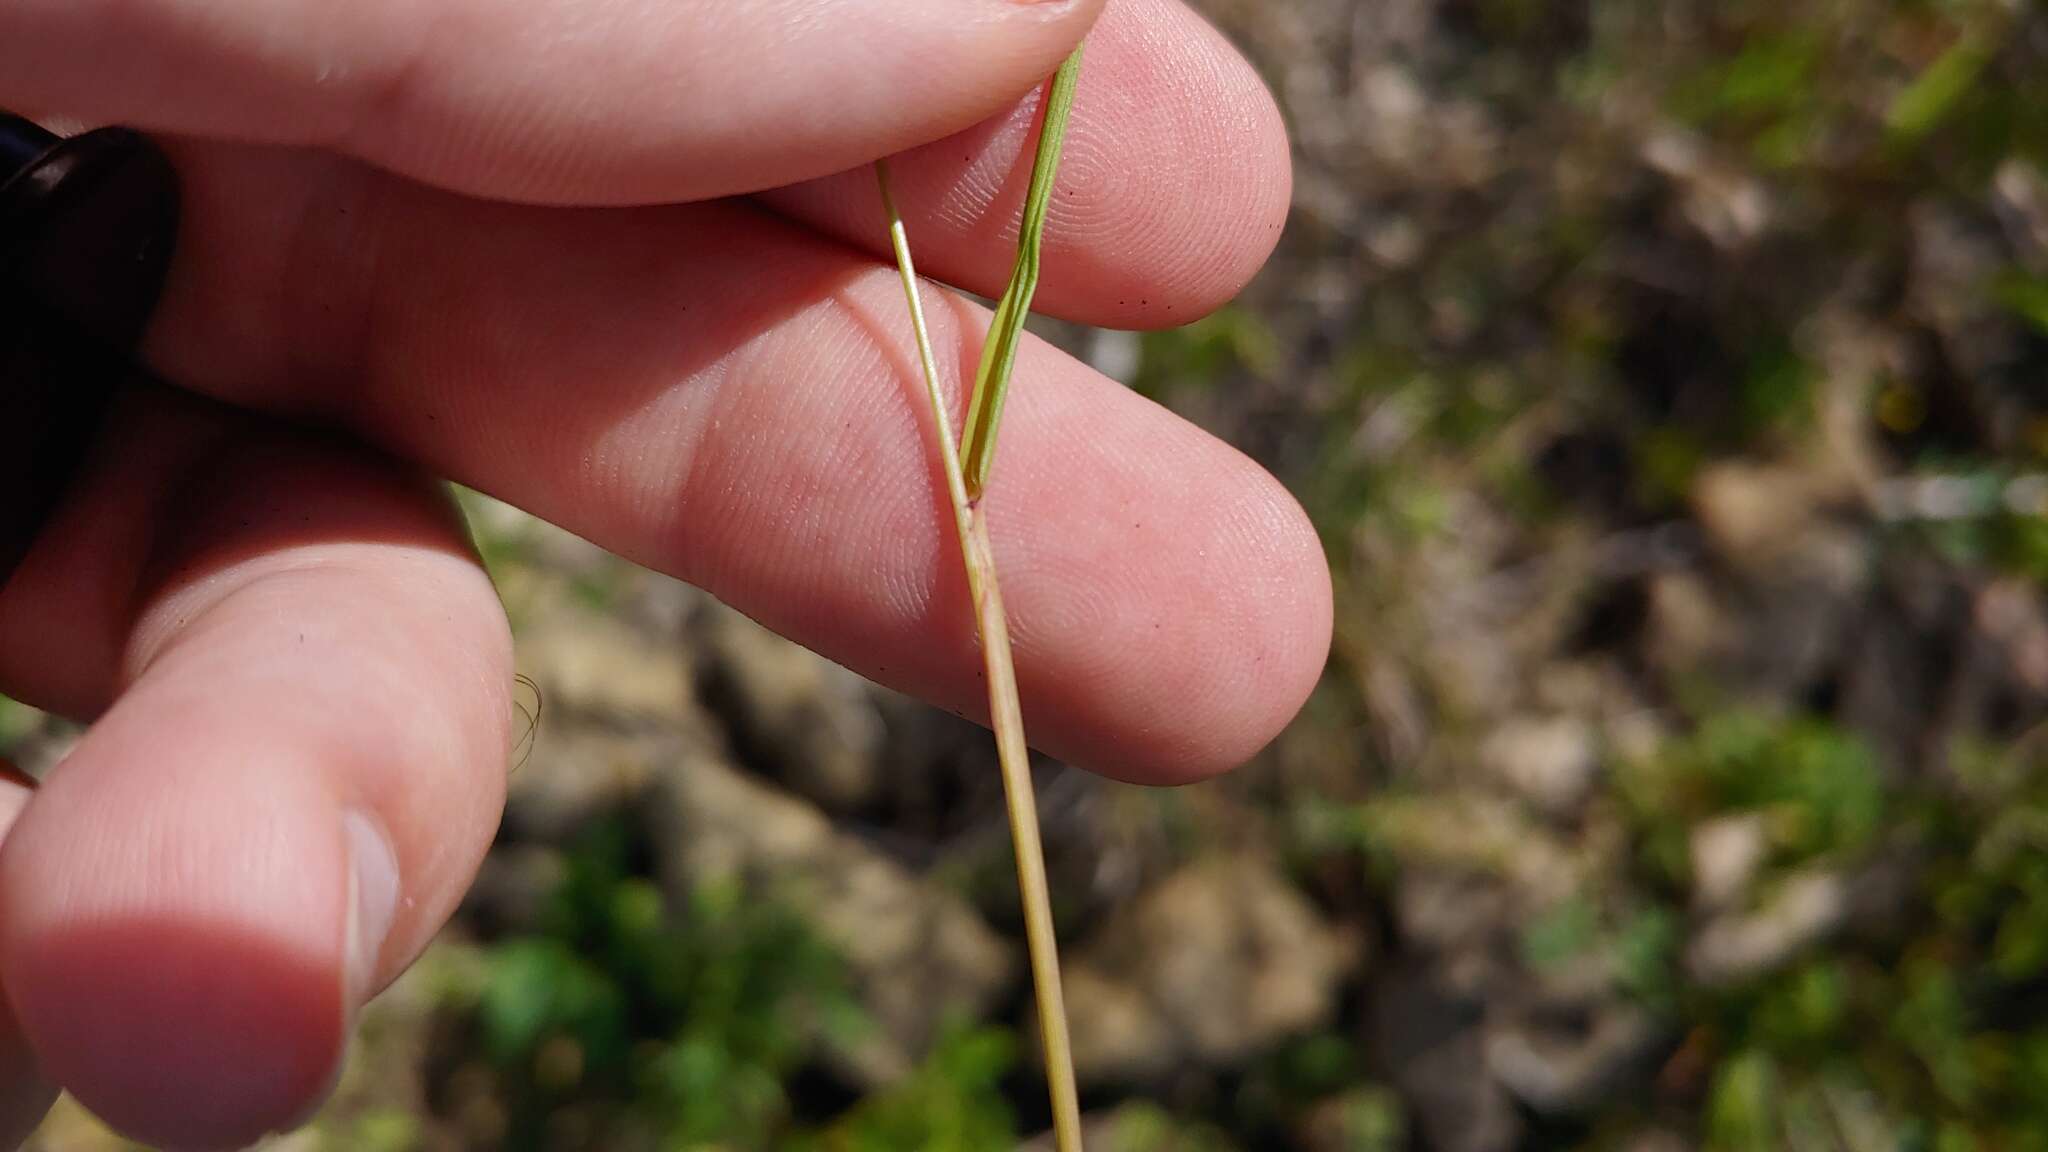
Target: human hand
(427, 223)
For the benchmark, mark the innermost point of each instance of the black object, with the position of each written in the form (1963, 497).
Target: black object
(86, 228)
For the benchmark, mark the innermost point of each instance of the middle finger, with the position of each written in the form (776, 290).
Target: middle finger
(715, 392)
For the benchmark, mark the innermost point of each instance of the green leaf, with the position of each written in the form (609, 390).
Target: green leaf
(1741, 1110)
(1771, 74)
(1931, 99)
(999, 354)
(539, 988)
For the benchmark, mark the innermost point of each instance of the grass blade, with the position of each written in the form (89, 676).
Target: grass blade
(999, 353)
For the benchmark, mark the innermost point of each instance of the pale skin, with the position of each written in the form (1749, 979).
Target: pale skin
(611, 281)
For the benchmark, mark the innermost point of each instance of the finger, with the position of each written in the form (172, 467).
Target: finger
(66, 613)
(712, 392)
(285, 801)
(25, 1095)
(556, 100)
(1172, 192)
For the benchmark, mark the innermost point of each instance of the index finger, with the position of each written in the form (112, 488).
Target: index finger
(624, 101)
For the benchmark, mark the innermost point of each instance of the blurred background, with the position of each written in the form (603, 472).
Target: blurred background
(1670, 385)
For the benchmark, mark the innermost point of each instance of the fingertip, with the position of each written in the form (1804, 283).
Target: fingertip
(175, 959)
(1255, 638)
(1179, 174)
(219, 1040)
(1174, 185)
(1283, 638)
(1181, 614)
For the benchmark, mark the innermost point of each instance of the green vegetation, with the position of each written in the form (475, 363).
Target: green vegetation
(1919, 1034)
(1817, 788)
(625, 1021)
(687, 1020)
(952, 1104)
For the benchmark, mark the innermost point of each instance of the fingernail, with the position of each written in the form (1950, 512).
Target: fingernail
(373, 901)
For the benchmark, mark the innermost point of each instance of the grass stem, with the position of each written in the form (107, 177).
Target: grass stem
(970, 519)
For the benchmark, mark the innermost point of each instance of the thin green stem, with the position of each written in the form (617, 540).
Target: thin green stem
(949, 453)
(999, 353)
(1006, 715)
